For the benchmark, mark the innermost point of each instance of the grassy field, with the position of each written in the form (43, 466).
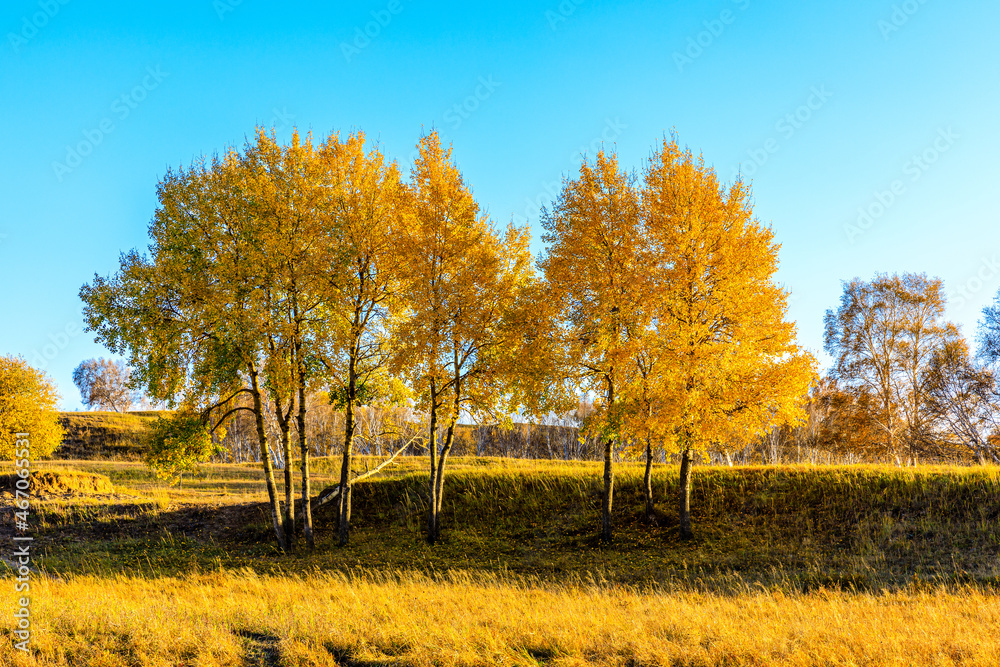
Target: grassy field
(236, 618)
(790, 565)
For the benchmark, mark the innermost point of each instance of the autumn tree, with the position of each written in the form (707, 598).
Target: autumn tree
(104, 384)
(195, 317)
(881, 338)
(730, 357)
(593, 276)
(466, 311)
(291, 193)
(28, 404)
(361, 301)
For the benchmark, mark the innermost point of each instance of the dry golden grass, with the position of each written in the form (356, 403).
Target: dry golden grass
(227, 618)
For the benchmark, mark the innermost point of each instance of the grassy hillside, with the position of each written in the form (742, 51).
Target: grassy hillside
(107, 435)
(863, 527)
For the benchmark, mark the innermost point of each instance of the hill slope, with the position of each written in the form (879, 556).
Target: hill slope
(110, 435)
(863, 527)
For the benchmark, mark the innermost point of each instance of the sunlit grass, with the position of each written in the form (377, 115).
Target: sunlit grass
(477, 619)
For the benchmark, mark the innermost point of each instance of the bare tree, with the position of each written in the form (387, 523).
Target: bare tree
(104, 384)
(963, 398)
(882, 338)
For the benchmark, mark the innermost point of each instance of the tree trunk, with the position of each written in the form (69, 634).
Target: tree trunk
(265, 457)
(648, 481)
(307, 527)
(286, 448)
(344, 511)
(285, 426)
(345, 469)
(685, 495)
(609, 475)
(432, 448)
(439, 482)
(609, 489)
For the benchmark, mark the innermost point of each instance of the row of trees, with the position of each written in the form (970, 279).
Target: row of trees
(278, 271)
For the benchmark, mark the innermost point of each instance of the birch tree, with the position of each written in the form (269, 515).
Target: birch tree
(593, 276)
(203, 319)
(882, 337)
(730, 357)
(465, 286)
(362, 300)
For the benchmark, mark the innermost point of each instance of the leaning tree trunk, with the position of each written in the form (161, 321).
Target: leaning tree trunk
(285, 426)
(439, 481)
(685, 494)
(265, 457)
(647, 482)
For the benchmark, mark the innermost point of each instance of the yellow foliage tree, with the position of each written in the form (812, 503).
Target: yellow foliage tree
(595, 277)
(362, 299)
(28, 404)
(729, 355)
(466, 286)
(215, 312)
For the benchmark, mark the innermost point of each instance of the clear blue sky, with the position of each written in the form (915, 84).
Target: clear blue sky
(838, 97)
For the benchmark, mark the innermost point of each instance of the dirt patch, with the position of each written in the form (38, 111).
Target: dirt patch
(61, 482)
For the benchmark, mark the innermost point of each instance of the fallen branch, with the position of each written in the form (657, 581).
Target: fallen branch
(333, 492)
